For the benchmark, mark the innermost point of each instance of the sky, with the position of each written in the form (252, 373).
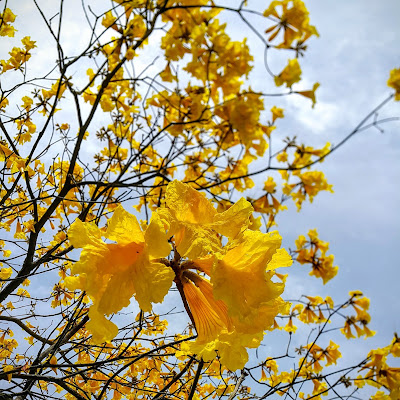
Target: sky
(352, 60)
(357, 48)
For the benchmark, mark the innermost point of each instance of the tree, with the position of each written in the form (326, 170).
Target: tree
(153, 108)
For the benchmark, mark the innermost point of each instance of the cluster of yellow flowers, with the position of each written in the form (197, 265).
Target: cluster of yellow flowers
(18, 56)
(6, 18)
(299, 159)
(7, 345)
(379, 374)
(313, 252)
(359, 321)
(293, 20)
(226, 286)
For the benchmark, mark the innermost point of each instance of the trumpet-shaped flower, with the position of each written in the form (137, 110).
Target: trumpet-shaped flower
(241, 280)
(111, 273)
(227, 287)
(217, 326)
(195, 223)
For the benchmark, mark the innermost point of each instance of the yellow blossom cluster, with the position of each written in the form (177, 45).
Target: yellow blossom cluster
(18, 56)
(316, 355)
(5, 274)
(21, 221)
(313, 251)
(310, 312)
(6, 19)
(7, 345)
(378, 373)
(227, 289)
(290, 74)
(25, 125)
(360, 321)
(269, 204)
(293, 20)
(57, 89)
(12, 161)
(309, 183)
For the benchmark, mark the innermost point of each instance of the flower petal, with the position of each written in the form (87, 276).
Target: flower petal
(188, 205)
(101, 328)
(81, 234)
(196, 242)
(157, 239)
(123, 227)
(152, 282)
(208, 322)
(234, 219)
(280, 259)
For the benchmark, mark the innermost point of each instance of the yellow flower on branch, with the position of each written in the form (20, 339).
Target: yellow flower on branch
(226, 287)
(394, 82)
(112, 273)
(195, 223)
(276, 113)
(241, 280)
(294, 20)
(313, 251)
(6, 18)
(290, 74)
(310, 94)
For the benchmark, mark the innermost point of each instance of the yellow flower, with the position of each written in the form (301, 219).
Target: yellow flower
(233, 308)
(282, 157)
(3, 104)
(294, 21)
(290, 74)
(269, 185)
(7, 17)
(112, 273)
(241, 280)
(196, 223)
(108, 20)
(276, 113)
(5, 273)
(394, 82)
(228, 290)
(310, 93)
(395, 346)
(166, 75)
(7, 368)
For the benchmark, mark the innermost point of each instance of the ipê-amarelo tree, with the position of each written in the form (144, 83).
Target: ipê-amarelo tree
(152, 108)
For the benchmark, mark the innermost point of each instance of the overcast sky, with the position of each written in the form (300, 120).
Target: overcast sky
(357, 48)
(352, 59)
